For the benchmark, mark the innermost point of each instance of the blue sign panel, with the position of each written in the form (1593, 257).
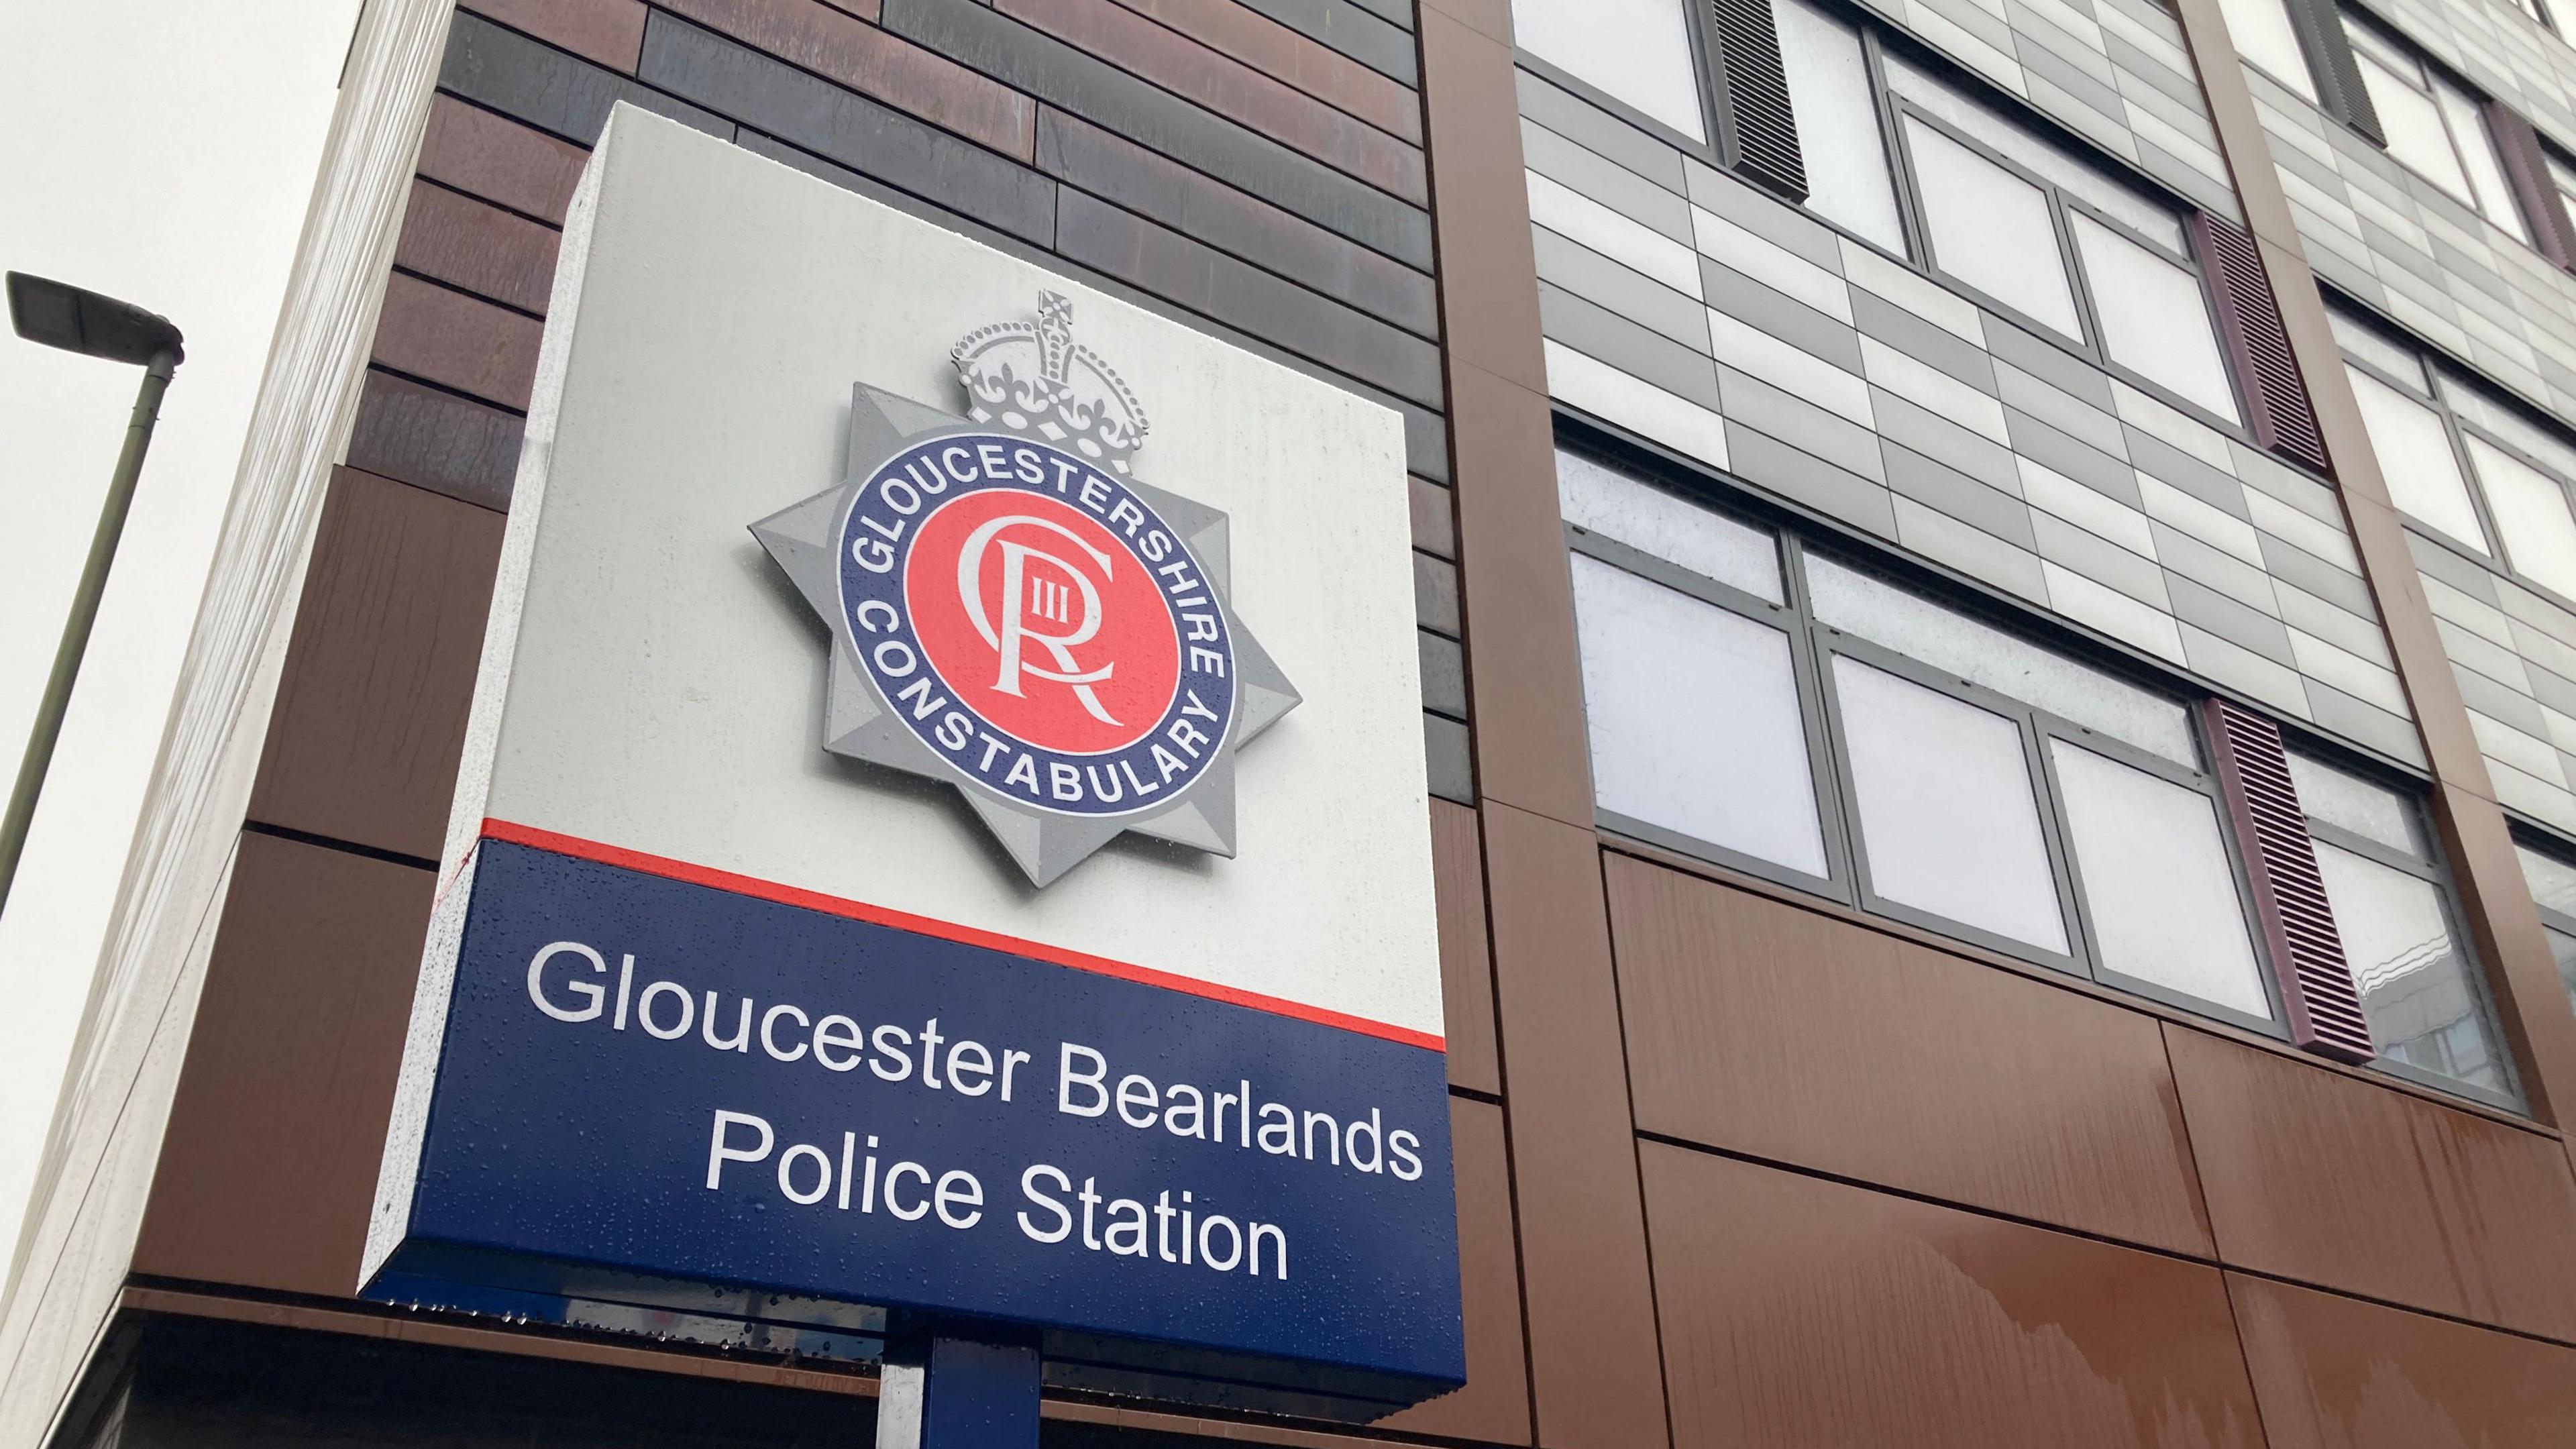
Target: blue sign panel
(649, 1078)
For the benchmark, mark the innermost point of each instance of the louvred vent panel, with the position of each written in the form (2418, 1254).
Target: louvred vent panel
(2526, 166)
(1757, 95)
(2258, 346)
(2340, 90)
(2298, 926)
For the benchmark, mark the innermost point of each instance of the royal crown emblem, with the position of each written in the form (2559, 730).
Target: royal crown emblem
(1033, 378)
(1014, 612)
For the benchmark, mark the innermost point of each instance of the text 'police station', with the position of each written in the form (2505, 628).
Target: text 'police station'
(851, 1171)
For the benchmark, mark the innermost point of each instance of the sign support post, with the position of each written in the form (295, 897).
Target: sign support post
(958, 1386)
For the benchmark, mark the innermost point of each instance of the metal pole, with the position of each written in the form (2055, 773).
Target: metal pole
(958, 1386)
(93, 583)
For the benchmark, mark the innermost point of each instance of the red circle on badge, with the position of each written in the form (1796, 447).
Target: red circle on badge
(1042, 620)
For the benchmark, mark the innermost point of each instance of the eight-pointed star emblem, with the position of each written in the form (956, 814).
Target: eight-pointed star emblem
(1013, 611)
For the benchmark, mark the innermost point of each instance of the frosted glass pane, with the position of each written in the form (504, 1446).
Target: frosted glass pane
(2261, 30)
(2472, 404)
(1650, 520)
(1991, 229)
(1636, 50)
(2562, 948)
(2415, 453)
(1947, 817)
(2157, 881)
(2477, 148)
(2152, 316)
(2416, 135)
(1695, 720)
(2149, 218)
(2553, 881)
(1837, 114)
(2531, 517)
(2423, 1007)
(2367, 810)
(1857, 603)
(2367, 343)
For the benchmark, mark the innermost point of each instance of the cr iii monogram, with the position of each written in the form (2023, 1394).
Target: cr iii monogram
(1013, 611)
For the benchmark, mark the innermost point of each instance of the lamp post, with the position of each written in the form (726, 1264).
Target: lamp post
(94, 326)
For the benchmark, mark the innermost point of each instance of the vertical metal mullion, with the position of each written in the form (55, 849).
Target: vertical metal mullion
(2078, 285)
(1835, 813)
(2459, 439)
(2058, 841)
(1900, 159)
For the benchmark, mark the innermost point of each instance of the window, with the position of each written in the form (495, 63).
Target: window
(1774, 708)
(2053, 239)
(2414, 451)
(2434, 127)
(2553, 888)
(2426, 1006)
(2146, 304)
(2264, 35)
(1834, 99)
(2462, 464)
(1990, 228)
(2562, 179)
(1635, 51)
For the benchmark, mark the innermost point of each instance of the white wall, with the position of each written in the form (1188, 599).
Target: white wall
(161, 151)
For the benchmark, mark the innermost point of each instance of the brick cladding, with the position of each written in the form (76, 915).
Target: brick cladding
(1253, 169)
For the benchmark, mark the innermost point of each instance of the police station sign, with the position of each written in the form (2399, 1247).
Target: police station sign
(888, 872)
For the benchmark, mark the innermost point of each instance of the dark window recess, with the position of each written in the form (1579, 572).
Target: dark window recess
(2258, 346)
(1756, 99)
(2331, 66)
(2526, 167)
(2317, 994)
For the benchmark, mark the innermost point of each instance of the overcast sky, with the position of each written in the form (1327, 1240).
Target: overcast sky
(162, 152)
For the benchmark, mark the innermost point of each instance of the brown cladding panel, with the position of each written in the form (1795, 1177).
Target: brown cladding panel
(435, 440)
(610, 32)
(477, 246)
(370, 713)
(1776, 1032)
(1805, 1314)
(1574, 1161)
(1275, 50)
(2314, 1175)
(498, 159)
(268, 1163)
(457, 341)
(2332, 1373)
(1494, 1406)
(874, 63)
(1466, 966)
(1191, 70)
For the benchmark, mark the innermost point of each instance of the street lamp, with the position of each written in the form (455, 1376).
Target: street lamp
(94, 326)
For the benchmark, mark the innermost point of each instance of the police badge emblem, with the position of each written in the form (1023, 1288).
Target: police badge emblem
(1014, 612)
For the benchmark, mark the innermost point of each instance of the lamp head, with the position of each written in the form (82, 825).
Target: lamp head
(75, 320)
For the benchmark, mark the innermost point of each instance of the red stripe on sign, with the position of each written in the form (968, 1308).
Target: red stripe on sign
(787, 895)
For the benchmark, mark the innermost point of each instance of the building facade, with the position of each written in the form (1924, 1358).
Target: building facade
(1996, 589)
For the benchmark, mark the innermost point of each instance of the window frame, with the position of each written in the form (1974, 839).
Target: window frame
(2457, 430)
(1700, 26)
(2435, 75)
(1876, 38)
(2435, 871)
(1813, 645)
(2532, 838)
(2063, 206)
